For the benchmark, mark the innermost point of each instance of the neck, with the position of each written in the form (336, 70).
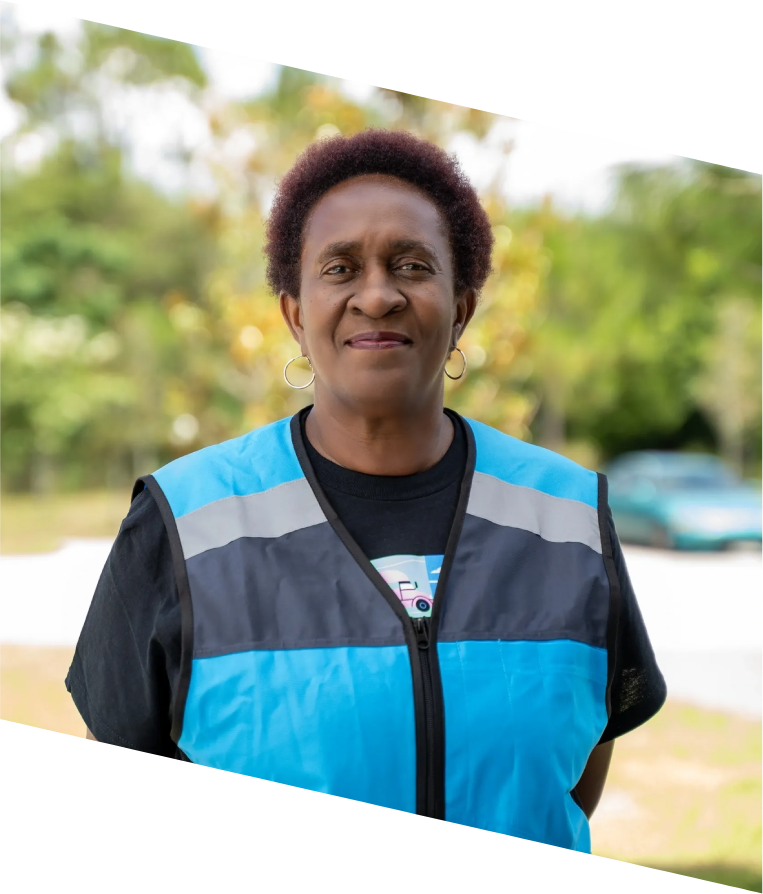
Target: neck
(397, 443)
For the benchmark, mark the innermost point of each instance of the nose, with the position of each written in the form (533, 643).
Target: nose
(376, 294)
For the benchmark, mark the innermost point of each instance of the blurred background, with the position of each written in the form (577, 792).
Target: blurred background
(621, 327)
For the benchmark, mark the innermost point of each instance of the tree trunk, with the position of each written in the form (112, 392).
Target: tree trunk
(552, 425)
(43, 474)
(732, 448)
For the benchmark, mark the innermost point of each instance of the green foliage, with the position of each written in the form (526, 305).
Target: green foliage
(628, 348)
(140, 58)
(91, 263)
(136, 326)
(86, 333)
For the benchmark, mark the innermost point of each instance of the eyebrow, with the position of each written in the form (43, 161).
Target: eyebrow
(416, 245)
(338, 248)
(398, 245)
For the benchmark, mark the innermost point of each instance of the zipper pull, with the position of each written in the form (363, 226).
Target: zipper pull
(422, 633)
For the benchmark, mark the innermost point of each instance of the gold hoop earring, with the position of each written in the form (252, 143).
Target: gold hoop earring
(286, 378)
(463, 370)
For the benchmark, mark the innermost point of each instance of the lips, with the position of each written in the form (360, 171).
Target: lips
(375, 341)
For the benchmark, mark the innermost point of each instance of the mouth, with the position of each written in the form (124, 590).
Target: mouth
(378, 341)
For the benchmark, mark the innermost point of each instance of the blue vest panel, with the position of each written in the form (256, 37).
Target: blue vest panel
(521, 719)
(293, 716)
(300, 671)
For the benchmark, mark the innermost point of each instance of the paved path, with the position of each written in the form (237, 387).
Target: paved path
(44, 598)
(703, 613)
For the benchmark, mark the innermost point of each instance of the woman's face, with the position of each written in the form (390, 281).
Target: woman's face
(377, 314)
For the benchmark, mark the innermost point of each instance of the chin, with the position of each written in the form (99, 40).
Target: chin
(379, 392)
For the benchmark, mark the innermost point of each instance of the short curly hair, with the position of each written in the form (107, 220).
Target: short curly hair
(328, 162)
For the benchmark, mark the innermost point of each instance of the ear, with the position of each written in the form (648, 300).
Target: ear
(291, 310)
(463, 311)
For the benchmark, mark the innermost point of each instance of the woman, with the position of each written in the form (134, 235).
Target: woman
(376, 598)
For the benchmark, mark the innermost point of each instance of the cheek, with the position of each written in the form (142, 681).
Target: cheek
(436, 315)
(320, 319)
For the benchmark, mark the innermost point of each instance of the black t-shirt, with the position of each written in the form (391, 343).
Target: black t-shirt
(127, 661)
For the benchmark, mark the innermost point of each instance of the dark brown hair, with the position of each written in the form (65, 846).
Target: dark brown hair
(326, 163)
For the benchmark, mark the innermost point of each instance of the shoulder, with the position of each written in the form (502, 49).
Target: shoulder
(527, 465)
(142, 516)
(252, 463)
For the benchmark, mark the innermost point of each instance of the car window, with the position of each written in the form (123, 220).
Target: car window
(709, 478)
(632, 482)
(698, 476)
(672, 473)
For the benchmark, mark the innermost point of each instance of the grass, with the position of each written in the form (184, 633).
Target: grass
(32, 688)
(683, 794)
(33, 524)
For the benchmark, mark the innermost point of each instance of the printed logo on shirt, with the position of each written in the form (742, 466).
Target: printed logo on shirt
(413, 579)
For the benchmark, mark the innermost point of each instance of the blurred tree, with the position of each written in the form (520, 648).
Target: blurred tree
(137, 326)
(694, 238)
(573, 340)
(111, 278)
(64, 90)
(633, 302)
(729, 387)
(89, 256)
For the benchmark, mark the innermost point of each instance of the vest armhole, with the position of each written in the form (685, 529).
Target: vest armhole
(613, 619)
(184, 597)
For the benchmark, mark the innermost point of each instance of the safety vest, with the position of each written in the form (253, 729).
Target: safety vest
(300, 665)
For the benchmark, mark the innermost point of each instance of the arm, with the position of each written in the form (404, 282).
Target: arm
(127, 657)
(591, 784)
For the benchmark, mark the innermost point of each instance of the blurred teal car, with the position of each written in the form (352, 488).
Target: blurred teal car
(683, 501)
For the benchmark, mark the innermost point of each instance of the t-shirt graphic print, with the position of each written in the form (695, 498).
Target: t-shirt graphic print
(413, 580)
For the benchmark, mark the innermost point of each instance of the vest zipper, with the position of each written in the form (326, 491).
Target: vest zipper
(420, 633)
(421, 626)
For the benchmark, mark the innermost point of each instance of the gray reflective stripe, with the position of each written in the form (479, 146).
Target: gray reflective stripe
(553, 518)
(507, 583)
(300, 591)
(272, 513)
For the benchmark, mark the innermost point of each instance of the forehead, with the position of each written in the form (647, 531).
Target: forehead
(374, 206)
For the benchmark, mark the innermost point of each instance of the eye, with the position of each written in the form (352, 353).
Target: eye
(337, 269)
(414, 266)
